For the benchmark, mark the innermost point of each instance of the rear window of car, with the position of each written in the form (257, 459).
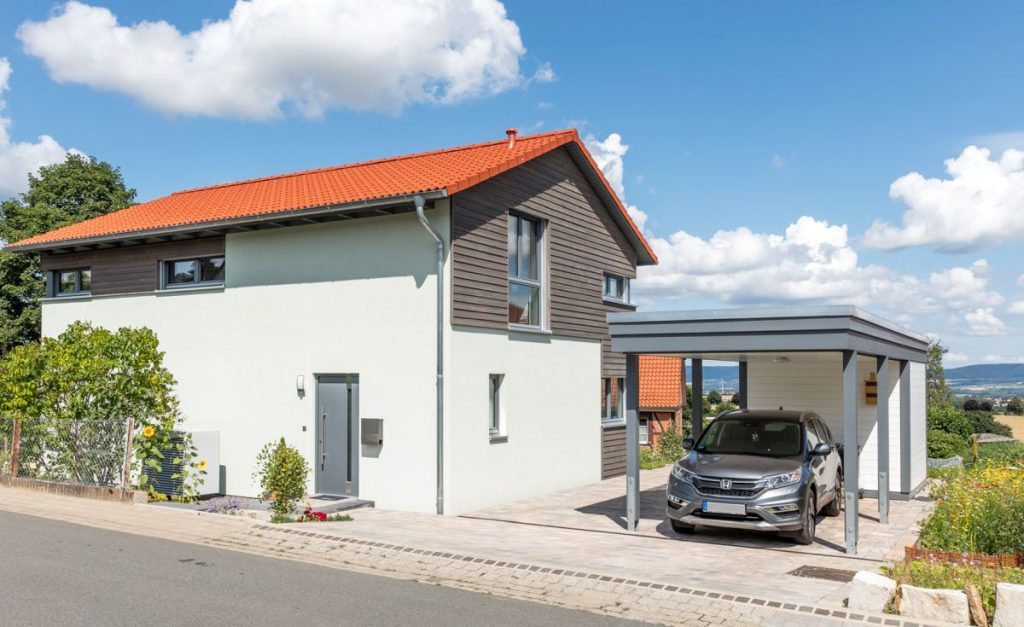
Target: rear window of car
(745, 436)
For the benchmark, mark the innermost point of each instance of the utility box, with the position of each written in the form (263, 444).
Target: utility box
(372, 431)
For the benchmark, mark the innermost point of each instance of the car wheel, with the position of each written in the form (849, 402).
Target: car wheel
(679, 527)
(806, 533)
(835, 506)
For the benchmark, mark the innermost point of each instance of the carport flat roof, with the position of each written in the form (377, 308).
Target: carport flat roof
(765, 330)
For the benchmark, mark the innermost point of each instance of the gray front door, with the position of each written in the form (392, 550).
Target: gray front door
(335, 430)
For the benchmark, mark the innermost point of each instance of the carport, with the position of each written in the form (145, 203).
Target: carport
(854, 368)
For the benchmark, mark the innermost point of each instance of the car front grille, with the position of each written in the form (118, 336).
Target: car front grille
(712, 486)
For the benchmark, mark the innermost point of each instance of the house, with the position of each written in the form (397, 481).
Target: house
(429, 330)
(662, 396)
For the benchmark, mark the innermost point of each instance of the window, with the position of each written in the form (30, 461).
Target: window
(616, 288)
(611, 399)
(644, 434)
(190, 272)
(524, 271)
(76, 282)
(813, 439)
(496, 422)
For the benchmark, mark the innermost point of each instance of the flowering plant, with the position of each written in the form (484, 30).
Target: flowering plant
(308, 515)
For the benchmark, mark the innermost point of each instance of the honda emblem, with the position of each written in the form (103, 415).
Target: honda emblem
(726, 484)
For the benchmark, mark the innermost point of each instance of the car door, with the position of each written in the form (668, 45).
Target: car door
(818, 463)
(832, 459)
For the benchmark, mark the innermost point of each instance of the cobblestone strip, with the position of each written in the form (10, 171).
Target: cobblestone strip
(649, 601)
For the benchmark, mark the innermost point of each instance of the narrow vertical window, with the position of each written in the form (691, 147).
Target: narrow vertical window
(496, 425)
(645, 437)
(524, 271)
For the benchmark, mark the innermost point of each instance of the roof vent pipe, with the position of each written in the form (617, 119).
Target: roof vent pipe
(511, 132)
(439, 241)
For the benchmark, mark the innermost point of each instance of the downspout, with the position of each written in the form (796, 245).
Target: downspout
(419, 202)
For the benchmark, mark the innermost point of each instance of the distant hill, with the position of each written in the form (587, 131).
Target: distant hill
(986, 374)
(716, 377)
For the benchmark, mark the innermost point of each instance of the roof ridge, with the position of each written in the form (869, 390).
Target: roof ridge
(356, 164)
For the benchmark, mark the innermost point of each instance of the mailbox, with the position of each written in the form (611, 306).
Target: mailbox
(372, 431)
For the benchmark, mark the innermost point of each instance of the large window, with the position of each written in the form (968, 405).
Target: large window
(611, 399)
(616, 288)
(75, 282)
(496, 419)
(524, 271)
(192, 272)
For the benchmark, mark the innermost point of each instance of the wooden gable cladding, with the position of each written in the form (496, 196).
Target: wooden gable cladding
(583, 243)
(131, 269)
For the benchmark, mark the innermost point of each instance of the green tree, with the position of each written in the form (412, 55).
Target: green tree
(939, 394)
(77, 189)
(714, 397)
(1015, 406)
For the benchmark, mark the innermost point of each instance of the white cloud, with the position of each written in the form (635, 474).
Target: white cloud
(609, 154)
(982, 321)
(980, 205)
(19, 159)
(271, 56)
(954, 358)
(1016, 308)
(1020, 281)
(779, 162)
(544, 74)
(993, 358)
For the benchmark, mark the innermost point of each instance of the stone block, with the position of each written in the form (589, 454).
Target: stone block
(945, 606)
(1009, 605)
(870, 592)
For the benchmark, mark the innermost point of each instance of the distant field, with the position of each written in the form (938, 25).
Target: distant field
(1014, 422)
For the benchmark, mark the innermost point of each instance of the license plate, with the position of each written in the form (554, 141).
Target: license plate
(735, 509)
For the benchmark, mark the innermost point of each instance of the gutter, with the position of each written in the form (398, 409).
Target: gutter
(196, 227)
(439, 244)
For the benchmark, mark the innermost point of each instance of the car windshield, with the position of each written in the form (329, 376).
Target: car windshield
(745, 436)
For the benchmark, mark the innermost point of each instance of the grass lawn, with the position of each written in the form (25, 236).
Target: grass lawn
(1014, 422)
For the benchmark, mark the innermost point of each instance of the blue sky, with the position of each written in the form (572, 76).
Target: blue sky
(736, 116)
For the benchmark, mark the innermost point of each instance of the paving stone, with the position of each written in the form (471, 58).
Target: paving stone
(946, 606)
(1009, 605)
(870, 592)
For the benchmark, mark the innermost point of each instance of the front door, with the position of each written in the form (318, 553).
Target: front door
(334, 433)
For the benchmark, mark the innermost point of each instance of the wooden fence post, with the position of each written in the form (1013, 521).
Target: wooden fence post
(130, 440)
(15, 446)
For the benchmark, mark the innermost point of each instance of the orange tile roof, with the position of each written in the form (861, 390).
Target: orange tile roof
(661, 381)
(450, 170)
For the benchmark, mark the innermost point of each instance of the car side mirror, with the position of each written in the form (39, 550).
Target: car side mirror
(821, 448)
(688, 443)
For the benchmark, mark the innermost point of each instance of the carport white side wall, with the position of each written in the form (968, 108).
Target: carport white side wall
(550, 398)
(813, 382)
(338, 298)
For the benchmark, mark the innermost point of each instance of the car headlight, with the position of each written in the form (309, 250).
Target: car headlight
(683, 474)
(778, 481)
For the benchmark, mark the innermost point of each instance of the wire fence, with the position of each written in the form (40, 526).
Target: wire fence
(81, 452)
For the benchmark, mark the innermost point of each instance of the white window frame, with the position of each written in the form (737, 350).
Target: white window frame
(198, 282)
(54, 287)
(614, 413)
(540, 283)
(496, 408)
(645, 430)
(624, 297)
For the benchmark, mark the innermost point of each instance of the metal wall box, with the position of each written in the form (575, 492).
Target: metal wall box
(372, 431)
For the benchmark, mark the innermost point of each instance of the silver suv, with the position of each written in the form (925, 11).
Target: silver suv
(758, 470)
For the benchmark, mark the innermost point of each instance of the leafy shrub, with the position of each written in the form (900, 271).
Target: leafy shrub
(649, 460)
(985, 422)
(282, 473)
(978, 511)
(950, 420)
(927, 574)
(971, 405)
(943, 445)
(1015, 406)
(726, 406)
(714, 397)
(670, 444)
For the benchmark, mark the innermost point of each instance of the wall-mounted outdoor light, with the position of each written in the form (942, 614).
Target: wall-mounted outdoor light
(300, 385)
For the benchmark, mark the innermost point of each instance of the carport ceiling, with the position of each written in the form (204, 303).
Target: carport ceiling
(731, 333)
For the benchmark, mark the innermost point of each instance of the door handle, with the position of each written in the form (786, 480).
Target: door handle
(323, 439)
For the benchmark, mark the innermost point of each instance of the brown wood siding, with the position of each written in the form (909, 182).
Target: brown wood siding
(613, 451)
(131, 269)
(583, 242)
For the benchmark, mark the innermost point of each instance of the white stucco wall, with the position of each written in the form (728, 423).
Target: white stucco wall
(550, 396)
(355, 297)
(813, 382)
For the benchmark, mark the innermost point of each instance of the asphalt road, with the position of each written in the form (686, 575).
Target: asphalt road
(55, 573)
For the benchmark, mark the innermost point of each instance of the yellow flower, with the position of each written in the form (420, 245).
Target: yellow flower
(148, 431)
(202, 464)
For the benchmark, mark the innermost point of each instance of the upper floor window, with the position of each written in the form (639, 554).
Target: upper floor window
(75, 282)
(525, 243)
(616, 288)
(192, 272)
